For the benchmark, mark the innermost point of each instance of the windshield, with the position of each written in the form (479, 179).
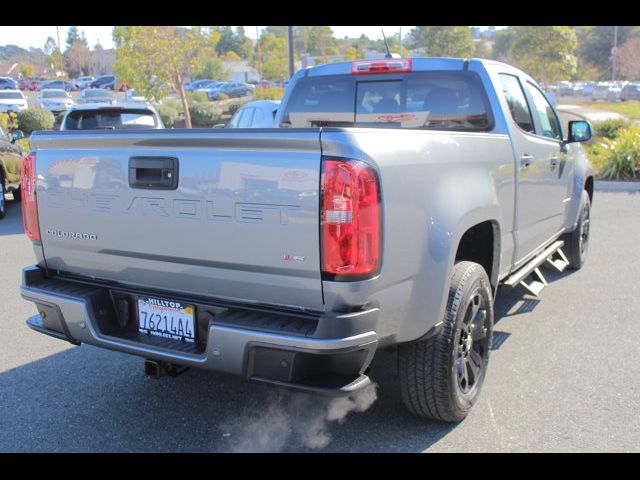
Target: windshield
(424, 100)
(97, 93)
(11, 95)
(53, 94)
(110, 119)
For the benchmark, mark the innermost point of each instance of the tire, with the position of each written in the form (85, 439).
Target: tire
(440, 377)
(3, 202)
(17, 194)
(576, 243)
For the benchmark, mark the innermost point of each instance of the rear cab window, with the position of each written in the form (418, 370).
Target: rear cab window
(110, 119)
(438, 100)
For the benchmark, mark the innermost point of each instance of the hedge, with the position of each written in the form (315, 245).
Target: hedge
(33, 119)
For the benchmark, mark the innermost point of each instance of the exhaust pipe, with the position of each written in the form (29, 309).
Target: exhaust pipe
(156, 369)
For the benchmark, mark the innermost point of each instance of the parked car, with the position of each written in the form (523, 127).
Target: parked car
(54, 100)
(606, 91)
(34, 84)
(66, 85)
(10, 162)
(83, 82)
(195, 85)
(12, 100)
(95, 95)
(23, 84)
(231, 89)
(109, 82)
(209, 86)
(388, 209)
(122, 116)
(103, 80)
(8, 83)
(258, 114)
(630, 91)
(132, 96)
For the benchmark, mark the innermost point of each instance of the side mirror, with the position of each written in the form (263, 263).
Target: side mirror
(579, 131)
(17, 135)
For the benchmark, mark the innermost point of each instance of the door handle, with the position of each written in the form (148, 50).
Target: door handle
(525, 160)
(554, 162)
(157, 173)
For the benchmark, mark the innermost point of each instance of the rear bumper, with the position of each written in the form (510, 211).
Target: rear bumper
(325, 355)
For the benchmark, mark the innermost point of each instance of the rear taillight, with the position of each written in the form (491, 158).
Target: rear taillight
(390, 65)
(350, 220)
(29, 202)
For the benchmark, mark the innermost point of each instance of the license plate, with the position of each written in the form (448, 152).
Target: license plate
(166, 318)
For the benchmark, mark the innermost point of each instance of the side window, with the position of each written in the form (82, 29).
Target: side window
(2, 134)
(247, 118)
(517, 102)
(258, 117)
(546, 114)
(235, 120)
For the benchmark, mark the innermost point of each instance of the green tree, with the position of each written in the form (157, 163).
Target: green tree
(596, 44)
(547, 53)
(503, 41)
(52, 54)
(154, 59)
(212, 68)
(443, 41)
(27, 70)
(275, 59)
(73, 36)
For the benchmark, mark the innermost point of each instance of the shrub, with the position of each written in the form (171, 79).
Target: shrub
(619, 158)
(33, 119)
(168, 113)
(223, 96)
(609, 128)
(233, 107)
(204, 114)
(197, 97)
(268, 93)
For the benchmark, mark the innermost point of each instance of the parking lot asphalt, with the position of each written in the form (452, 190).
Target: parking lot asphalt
(564, 376)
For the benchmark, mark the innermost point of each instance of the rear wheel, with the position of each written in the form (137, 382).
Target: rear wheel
(576, 243)
(17, 194)
(441, 376)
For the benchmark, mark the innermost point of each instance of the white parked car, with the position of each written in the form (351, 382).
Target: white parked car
(132, 96)
(12, 101)
(83, 82)
(55, 100)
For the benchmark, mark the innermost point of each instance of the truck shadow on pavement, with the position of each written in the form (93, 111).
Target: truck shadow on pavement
(11, 224)
(86, 399)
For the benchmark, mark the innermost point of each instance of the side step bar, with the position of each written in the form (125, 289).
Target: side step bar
(552, 256)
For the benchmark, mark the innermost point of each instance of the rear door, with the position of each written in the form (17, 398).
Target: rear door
(240, 223)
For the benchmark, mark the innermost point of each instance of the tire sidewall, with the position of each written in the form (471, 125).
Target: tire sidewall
(585, 203)
(3, 201)
(464, 402)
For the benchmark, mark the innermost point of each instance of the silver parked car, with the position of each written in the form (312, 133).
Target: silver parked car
(95, 95)
(55, 100)
(258, 114)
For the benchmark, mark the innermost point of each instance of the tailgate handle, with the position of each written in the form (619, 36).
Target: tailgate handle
(157, 173)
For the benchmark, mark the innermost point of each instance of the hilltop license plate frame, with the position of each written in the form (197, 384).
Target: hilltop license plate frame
(166, 318)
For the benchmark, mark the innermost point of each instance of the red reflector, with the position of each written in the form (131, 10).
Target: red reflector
(388, 65)
(350, 219)
(29, 202)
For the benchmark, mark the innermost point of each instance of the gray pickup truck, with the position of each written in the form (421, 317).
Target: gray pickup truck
(393, 200)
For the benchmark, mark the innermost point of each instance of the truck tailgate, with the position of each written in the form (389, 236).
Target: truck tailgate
(242, 224)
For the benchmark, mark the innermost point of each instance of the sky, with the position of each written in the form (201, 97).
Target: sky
(26, 37)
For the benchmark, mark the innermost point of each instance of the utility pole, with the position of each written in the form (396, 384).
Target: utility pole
(259, 58)
(60, 54)
(290, 36)
(614, 52)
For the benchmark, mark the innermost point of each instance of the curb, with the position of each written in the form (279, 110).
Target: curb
(608, 186)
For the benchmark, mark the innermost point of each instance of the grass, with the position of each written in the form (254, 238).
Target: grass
(628, 109)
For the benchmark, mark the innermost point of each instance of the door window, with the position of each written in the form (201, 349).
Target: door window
(546, 114)
(517, 102)
(247, 118)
